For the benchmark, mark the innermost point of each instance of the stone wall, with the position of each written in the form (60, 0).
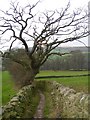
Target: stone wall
(20, 105)
(67, 102)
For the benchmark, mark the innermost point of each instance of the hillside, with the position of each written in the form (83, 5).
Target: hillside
(69, 49)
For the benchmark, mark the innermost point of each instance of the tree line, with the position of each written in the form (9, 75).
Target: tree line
(76, 60)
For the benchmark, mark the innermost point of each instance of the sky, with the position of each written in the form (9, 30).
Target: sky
(46, 4)
(51, 5)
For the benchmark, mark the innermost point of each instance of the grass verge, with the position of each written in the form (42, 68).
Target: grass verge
(8, 87)
(32, 105)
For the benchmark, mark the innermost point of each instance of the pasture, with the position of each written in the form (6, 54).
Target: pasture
(80, 84)
(61, 73)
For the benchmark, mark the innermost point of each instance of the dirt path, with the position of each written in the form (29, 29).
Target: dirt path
(40, 108)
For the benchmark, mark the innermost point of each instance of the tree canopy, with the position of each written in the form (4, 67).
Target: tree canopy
(44, 31)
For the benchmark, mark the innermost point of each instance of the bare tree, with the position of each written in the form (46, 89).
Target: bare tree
(45, 30)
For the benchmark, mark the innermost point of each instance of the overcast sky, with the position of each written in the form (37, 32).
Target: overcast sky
(50, 5)
(47, 4)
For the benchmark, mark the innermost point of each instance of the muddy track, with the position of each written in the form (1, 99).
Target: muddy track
(40, 108)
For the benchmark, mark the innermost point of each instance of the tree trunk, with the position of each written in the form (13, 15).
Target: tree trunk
(29, 76)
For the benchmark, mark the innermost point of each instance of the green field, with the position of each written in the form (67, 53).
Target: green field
(78, 83)
(61, 73)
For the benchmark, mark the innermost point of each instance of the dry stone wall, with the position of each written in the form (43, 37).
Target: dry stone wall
(68, 103)
(17, 105)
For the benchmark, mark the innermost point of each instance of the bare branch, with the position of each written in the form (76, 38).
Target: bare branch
(53, 53)
(1, 53)
(82, 43)
(59, 54)
(11, 45)
(47, 31)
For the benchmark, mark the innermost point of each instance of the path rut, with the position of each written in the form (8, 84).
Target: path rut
(40, 108)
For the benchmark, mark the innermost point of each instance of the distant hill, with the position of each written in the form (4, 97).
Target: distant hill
(69, 49)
